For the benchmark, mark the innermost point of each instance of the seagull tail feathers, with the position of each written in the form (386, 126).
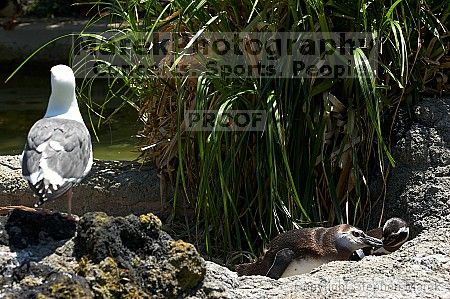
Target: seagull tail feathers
(46, 196)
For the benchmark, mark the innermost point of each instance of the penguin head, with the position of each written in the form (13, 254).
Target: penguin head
(395, 232)
(352, 239)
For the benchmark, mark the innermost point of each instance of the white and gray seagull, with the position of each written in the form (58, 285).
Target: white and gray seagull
(58, 151)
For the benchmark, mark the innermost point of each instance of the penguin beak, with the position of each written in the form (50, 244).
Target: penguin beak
(373, 242)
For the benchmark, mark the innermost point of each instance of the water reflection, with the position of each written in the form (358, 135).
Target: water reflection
(23, 100)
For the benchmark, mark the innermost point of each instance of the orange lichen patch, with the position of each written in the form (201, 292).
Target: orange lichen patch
(180, 246)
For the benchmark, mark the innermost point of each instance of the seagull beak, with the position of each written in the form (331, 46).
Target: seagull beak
(374, 242)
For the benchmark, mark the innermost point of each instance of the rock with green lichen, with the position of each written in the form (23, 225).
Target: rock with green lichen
(61, 286)
(107, 257)
(132, 253)
(188, 266)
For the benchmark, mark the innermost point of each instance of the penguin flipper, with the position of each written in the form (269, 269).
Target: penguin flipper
(281, 261)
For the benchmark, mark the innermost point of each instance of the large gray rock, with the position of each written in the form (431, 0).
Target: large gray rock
(115, 187)
(420, 269)
(419, 186)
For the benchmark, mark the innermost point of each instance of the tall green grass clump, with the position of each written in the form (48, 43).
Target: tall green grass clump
(323, 136)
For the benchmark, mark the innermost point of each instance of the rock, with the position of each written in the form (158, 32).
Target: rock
(59, 286)
(109, 257)
(100, 236)
(32, 33)
(25, 229)
(419, 186)
(420, 269)
(115, 187)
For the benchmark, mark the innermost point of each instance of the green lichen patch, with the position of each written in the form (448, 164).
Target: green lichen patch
(108, 280)
(60, 286)
(189, 266)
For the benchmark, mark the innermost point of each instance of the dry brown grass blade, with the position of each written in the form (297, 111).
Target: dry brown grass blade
(8, 209)
(337, 105)
(344, 177)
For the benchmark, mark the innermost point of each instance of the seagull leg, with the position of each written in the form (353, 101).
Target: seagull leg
(69, 201)
(69, 216)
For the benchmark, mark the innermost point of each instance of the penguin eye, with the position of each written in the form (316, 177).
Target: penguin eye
(356, 234)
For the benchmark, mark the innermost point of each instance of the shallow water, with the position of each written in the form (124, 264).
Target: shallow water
(23, 100)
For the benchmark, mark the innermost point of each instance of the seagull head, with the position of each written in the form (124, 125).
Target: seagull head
(62, 102)
(62, 77)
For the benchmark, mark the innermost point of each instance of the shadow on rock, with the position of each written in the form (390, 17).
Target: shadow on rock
(25, 229)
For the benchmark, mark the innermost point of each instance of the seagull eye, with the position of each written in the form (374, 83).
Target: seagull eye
(356, 234)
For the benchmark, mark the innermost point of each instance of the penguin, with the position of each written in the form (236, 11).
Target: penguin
(394, 233)
(299, 251)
